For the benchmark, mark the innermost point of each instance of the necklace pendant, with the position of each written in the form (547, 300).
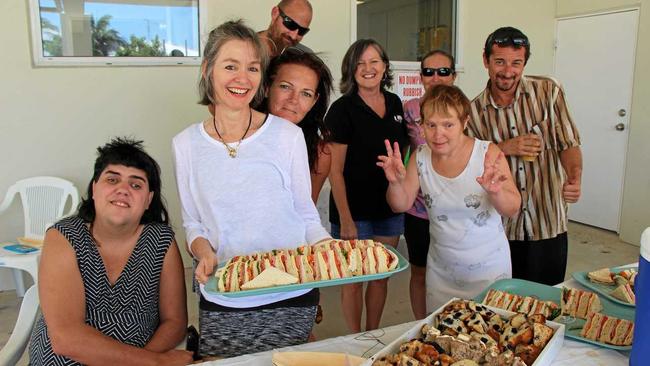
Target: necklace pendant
(232, 153)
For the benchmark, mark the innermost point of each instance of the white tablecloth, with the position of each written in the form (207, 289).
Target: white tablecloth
(366, 344)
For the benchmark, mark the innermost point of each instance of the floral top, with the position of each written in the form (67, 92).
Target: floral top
(416, 138)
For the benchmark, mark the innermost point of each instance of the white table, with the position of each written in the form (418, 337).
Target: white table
(366, 344)
(16, 261)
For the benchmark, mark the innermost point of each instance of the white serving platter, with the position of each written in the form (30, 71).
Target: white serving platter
(545, 357)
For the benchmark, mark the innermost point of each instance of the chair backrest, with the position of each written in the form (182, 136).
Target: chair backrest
(19, 338)
(43, 200)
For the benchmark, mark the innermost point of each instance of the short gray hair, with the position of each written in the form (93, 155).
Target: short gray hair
(228, 31)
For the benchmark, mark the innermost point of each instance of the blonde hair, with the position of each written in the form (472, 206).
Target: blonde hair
(442, 98)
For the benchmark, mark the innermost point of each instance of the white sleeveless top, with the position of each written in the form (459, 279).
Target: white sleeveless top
(468, 249)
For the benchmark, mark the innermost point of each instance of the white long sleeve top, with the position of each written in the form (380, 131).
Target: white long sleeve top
(258, 201)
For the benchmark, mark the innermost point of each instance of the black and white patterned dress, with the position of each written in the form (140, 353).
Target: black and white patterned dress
(126, 311)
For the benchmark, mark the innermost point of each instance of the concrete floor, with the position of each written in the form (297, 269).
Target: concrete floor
(589, 248)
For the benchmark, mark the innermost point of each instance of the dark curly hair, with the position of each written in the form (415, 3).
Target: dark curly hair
(313, 127)
(130, 153)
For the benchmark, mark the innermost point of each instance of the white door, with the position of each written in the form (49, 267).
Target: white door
(594, 61)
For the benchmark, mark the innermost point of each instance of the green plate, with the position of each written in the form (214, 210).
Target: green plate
(402, 264)
(550, 293)
(603, 290)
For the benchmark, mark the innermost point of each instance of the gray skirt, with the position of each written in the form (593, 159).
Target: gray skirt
(234, 333)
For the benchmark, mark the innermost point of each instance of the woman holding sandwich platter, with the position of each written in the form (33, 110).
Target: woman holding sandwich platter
(467, 187)
(244, 185)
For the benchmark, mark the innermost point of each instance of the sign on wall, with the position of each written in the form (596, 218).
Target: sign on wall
(408, 85)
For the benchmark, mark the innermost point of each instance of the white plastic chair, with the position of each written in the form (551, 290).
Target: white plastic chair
(19, 338)
(43, 200)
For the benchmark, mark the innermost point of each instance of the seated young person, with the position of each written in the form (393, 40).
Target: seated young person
(111, 281)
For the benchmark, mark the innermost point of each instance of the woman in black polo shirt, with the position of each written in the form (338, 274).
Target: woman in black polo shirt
(360, 121)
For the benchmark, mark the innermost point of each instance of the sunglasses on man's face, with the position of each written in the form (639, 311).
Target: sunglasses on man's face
(518, 41)
(291, 24)
(442, 71)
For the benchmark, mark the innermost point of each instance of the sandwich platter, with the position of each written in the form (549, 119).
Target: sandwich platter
(554, 294)
(545, 355)
(603, 289)
(212, 285)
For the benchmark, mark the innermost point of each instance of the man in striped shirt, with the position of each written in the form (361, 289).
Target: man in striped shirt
(528, 117)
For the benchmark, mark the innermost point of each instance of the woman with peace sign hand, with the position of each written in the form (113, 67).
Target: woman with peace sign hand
(467, 187)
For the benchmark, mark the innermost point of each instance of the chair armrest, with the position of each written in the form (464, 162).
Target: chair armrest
(15, 346)
(11, 193)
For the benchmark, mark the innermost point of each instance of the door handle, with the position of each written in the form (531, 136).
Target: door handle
(620, 127)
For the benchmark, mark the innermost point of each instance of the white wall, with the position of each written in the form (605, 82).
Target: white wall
(480, 18)
(330, 27)
(52, 119)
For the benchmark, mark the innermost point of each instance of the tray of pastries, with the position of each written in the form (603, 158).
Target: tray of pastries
(467, 333)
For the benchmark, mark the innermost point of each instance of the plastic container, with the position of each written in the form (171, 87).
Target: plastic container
(641, 343)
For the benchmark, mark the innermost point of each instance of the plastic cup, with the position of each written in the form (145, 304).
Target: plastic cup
(641, 342)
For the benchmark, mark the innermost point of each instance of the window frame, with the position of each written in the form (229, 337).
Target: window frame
(40, 60)
(400, 65)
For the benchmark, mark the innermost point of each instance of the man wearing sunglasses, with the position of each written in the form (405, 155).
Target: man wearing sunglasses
(436, 67)
(528, 117)
(290, 21)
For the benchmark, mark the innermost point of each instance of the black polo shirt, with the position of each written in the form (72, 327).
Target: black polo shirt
(353, 123)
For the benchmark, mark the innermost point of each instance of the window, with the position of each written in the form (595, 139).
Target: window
(115, 32)
(408, 29)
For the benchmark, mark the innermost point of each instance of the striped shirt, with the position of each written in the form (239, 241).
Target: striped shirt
(539, 107)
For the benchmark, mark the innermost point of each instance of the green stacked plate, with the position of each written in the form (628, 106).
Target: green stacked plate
(550, 293)
(211, 285)
(604, 290)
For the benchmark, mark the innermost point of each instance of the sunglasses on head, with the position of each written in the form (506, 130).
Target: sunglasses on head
(442, 71)
(517, 41)
(291, 24)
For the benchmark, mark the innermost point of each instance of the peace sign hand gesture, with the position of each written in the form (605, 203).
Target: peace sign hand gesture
(493, 178)
(392, 163)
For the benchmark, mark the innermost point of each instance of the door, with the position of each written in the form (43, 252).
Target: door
(594, 61)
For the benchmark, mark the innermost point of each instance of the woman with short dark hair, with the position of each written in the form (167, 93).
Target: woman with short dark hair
(111, 281)
(359, 122)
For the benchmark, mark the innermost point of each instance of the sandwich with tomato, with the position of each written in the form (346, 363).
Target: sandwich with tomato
(624, 293)
(608, 329)
(579, 304)
(329, 260)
